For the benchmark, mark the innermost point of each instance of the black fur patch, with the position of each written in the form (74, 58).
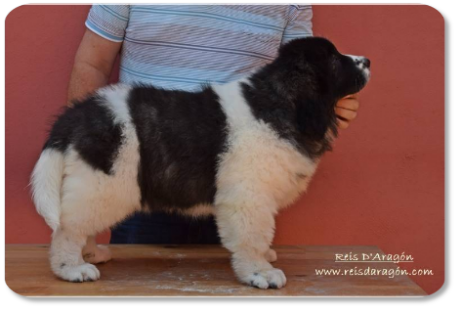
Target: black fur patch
(88, 126)
(181, 135)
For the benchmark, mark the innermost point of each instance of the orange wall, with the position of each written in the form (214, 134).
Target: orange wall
(383, 184)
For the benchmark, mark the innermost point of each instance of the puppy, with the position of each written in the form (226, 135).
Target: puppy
(241, 151)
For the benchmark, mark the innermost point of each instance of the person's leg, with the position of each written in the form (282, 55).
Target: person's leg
(162, 228)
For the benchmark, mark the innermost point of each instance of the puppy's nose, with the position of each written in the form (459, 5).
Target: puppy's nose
(366, 62)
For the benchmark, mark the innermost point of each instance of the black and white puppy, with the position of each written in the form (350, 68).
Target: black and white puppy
(241, 151)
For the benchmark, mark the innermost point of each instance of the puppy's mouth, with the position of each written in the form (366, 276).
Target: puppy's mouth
(363, 65)
(359, 82)
(367, 74)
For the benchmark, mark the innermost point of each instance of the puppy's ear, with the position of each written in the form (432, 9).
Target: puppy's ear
(293, 51)
(295, 46)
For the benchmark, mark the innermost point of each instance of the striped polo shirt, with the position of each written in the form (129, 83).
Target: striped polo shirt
(185, 46)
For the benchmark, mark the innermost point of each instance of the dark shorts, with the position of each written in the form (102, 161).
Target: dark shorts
(165, 229)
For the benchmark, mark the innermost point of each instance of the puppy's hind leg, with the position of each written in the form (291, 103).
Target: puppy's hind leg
(246, 228)
(94, 253)
(66, 257)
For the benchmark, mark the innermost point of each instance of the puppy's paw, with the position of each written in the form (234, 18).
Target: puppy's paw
(270, 255)
(83, 273)
(270, 278)
(99, 254)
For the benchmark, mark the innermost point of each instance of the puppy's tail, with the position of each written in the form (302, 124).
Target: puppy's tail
(46, 183)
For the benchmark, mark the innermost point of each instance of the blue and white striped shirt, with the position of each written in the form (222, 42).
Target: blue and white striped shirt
(184, 46)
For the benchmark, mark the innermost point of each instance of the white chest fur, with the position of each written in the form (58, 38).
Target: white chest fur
(258, 162)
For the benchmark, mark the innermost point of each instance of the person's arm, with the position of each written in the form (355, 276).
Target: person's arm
(106, 26)
(93, 65)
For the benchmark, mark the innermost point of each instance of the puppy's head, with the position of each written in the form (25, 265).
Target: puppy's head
(326, 70)
(314, 76)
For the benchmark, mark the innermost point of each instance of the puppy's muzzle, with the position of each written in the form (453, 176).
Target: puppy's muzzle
(363, 64)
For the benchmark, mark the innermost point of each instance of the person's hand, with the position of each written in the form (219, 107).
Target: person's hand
(346, 110)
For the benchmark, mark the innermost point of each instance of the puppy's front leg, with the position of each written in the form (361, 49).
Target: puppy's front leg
(246, 229)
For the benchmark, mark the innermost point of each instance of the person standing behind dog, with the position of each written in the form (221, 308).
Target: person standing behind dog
(182, 47)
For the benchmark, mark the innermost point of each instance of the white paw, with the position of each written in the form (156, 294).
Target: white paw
(270, 278)
(270, 255)
(97, 255)
(83, 273)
